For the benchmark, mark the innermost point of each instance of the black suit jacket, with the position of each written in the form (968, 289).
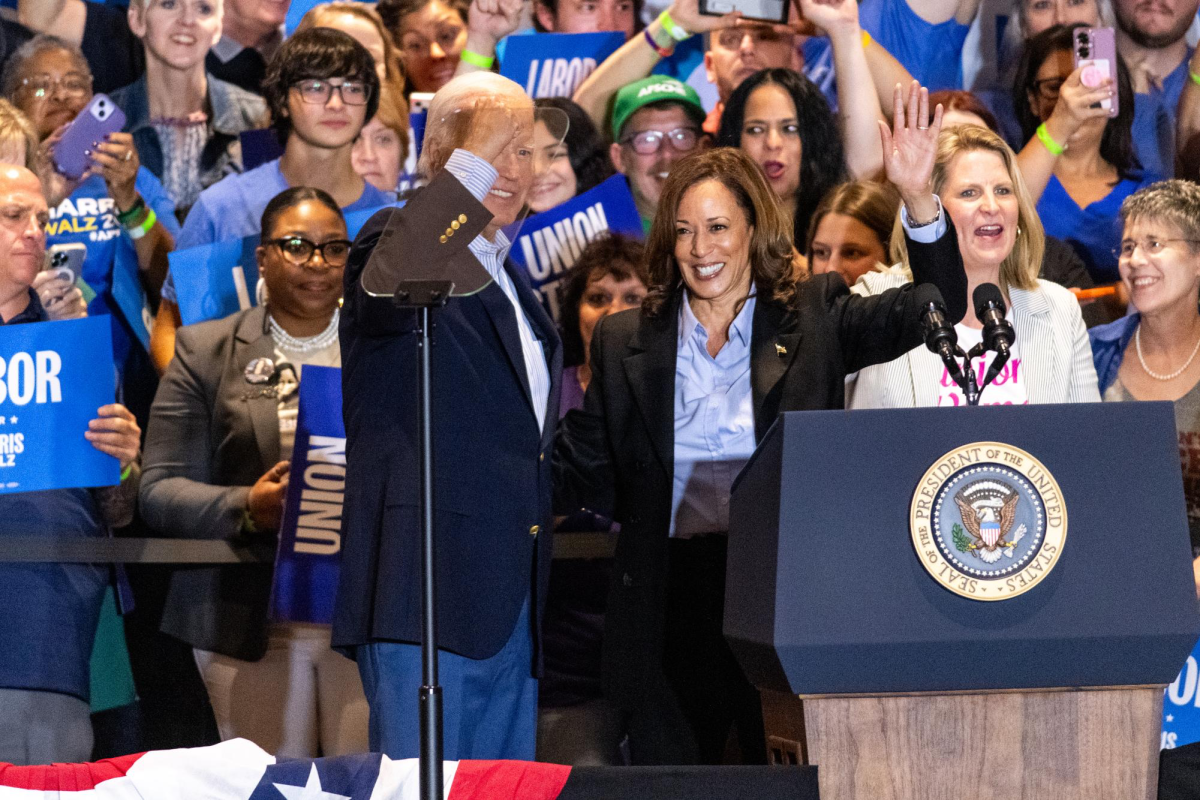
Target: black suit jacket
(492, 484)
(211, 436)
(616, 454)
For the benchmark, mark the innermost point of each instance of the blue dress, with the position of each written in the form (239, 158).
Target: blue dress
(1094, 232)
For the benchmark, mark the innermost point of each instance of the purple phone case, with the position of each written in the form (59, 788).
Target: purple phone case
(71, 155)
(1102, 46)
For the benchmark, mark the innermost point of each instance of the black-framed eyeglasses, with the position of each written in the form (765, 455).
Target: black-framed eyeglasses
(647, 143)
(72, 84)
(1151, 246)
(1048, 88)
(299, 251)
(318, 91)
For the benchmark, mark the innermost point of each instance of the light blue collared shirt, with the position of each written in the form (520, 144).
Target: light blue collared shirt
(714, 422)
(478, 176)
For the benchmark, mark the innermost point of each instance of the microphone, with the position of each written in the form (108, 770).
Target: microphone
(940, 336)
(998, 333)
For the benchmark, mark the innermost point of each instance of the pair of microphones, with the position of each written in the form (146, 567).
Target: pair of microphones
(942, 339)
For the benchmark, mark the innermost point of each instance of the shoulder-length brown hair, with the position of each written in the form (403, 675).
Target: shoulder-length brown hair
(771, 252)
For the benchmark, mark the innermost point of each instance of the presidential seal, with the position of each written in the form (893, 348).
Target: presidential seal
(988, 521)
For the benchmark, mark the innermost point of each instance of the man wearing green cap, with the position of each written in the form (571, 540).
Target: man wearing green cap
(656, 122)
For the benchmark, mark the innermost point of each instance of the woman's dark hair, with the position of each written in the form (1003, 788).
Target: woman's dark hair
(552, 6)
(294, 197)
(585, 147)
(613, 254)
(771, 255)
(967, 102)
(393, 12)
(822, 161)
(1116, 143)
(316, 53)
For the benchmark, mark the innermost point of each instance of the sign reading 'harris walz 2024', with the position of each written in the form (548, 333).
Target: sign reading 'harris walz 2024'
(310, 540)
(54, 377)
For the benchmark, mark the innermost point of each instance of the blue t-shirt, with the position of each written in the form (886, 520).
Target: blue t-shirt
(1094, 232)
(88, 217)
(232, 209)
(1154, 122)
(931, 53)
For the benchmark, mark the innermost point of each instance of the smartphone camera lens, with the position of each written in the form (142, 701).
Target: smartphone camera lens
(1084, 52)
(58, 259)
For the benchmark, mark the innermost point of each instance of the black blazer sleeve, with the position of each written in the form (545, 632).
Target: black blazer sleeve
(941, 264)
(584, 474)
(413, 234)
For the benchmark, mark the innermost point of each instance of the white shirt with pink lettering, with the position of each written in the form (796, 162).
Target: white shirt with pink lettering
(1006, 389)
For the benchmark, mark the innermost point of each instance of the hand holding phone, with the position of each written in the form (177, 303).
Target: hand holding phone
(73, 153)
(1095, 54)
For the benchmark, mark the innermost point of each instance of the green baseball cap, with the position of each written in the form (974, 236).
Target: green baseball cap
(654, 89)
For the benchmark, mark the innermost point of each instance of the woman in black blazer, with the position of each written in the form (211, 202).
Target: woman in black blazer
(681, 392)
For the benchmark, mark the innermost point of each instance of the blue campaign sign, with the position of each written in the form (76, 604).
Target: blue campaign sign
(310, 540)
(550, 242)
(53, 378)
(215, 280)
(1181, 705)
(554, 64)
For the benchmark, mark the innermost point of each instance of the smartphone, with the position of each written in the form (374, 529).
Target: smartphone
(1096, 52)
(773, 11)
(66, 261)
(100, 118)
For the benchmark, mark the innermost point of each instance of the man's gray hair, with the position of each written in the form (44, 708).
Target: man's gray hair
(14, 70)
(1175, 202)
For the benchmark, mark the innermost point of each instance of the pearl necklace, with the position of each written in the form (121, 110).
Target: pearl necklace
(292, 344)
(1137, 339)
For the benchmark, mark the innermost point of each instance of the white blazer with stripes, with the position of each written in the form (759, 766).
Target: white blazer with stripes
(1051, 336)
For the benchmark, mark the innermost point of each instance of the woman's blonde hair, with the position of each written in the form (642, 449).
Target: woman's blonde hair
(771, 252)
(15, 126)
(1021, 267)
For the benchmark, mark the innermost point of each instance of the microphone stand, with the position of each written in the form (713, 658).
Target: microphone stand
(424, 296)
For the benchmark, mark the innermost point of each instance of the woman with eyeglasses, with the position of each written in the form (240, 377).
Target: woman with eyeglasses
(321, 88)
(1152, 353)
(1079, 163)
(119, 212)
(216, 467)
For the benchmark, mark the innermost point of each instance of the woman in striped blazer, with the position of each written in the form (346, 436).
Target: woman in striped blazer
(1000, 241)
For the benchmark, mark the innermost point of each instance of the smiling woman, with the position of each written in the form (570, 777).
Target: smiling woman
(571, 166)
(430, 34)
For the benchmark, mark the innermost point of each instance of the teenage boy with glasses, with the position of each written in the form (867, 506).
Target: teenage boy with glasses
(321, 88)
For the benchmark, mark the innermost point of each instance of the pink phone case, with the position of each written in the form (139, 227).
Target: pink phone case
(1096, 51)
(100, 118)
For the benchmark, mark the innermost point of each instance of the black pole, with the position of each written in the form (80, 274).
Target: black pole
(430, 702)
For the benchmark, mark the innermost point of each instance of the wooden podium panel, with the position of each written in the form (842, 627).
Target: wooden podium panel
(1053, 745)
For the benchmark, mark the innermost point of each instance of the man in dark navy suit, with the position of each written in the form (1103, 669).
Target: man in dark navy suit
(496, 364)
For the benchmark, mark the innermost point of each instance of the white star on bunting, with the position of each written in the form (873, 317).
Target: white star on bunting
(310, 791)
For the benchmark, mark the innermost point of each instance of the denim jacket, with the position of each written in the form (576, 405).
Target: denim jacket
(231, 111)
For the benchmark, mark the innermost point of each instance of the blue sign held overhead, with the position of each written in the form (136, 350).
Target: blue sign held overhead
(310, 540)
(549, 243)
(1181, 705)
(54, 376)
(554, 64)
(215, 280)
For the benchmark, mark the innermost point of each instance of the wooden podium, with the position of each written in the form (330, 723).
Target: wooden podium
(898, 688)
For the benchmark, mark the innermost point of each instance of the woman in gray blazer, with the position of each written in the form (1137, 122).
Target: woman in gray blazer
(217, 455)
(1000, 240)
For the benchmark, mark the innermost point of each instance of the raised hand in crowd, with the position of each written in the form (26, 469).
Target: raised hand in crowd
(115, 431)
(1187, 131)
(116, 160)
(491, 128)
(1077, 103)
(910, 150)
(265, 502)
(488, 21)
(61, 298)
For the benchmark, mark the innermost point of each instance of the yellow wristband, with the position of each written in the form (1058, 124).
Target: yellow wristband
(1045, 138)
(866, 40)
(125, 472)
(1195, 78)
(677, 31)
(477, 60)
(138, 231)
